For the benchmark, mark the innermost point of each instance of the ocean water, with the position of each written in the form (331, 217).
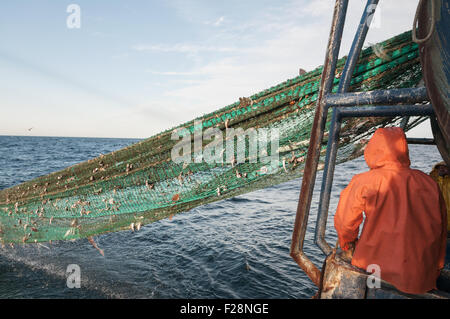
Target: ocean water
(235, 248)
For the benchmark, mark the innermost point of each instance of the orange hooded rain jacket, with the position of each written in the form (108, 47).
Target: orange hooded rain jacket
(405, 229)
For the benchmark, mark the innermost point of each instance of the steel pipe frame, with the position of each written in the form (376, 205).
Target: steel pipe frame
(344, 84)
(378, 97)
(421, 141)
(384, 111)
(342, 99)
(309, 176)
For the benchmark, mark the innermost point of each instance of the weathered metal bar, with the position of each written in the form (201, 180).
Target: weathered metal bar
(330, 157)
(386, 110)
(357, 44)
(327, 182)
(378, 97)
(338, 115)
(309, 176)
(421, 141)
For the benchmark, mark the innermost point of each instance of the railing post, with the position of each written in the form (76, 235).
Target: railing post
(335, 127)
(309, 176)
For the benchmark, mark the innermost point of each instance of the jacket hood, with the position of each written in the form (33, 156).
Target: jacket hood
(387, 148)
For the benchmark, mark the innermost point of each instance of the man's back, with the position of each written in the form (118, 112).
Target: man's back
(405, 227)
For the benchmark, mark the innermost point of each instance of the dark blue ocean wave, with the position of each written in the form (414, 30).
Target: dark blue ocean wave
(236, 248)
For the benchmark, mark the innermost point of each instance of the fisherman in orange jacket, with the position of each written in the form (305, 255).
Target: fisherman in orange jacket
(405, 227)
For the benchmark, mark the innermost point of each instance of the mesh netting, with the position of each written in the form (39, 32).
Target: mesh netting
(141, 183)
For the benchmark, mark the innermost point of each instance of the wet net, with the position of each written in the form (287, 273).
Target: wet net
(194, 163)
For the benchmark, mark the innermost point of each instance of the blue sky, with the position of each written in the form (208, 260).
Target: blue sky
(135, 68)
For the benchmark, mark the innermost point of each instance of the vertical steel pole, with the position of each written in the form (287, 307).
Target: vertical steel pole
(357, 44)
(309, 176)
(335, 127)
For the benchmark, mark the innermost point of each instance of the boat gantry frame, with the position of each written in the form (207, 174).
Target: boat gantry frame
(404, 102)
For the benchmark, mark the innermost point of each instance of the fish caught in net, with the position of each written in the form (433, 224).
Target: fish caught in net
(142, 183)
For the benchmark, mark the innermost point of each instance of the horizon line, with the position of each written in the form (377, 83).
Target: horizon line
(58, 136)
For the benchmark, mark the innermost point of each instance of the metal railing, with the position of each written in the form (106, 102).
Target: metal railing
(356, 104)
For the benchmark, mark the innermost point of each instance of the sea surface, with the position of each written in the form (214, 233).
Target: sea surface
(234, 248)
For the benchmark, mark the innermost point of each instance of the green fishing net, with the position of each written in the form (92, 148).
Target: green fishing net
(143, 183)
